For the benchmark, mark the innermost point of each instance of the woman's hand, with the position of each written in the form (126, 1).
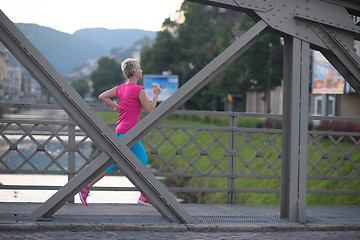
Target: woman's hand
(156, 89)
(105, 97)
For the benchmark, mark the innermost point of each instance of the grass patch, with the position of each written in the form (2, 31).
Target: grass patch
(185, 151)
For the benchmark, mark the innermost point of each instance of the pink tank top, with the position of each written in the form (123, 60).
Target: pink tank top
(129, 106)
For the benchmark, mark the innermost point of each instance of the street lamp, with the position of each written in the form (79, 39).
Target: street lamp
(253, 84)
(269, 77)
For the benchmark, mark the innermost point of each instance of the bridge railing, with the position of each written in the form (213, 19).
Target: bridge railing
(225, 153)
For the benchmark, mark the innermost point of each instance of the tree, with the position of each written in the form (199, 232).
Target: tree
(107, 75)
(81, 86)
(160, 55)
(185, 48)
(253, 64)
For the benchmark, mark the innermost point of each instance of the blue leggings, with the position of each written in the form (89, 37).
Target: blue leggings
(137, 149)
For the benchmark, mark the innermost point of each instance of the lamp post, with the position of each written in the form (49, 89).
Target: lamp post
(269, 77)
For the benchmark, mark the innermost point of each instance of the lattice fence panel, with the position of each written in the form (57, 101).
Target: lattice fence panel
(188, 151)
(335, 155)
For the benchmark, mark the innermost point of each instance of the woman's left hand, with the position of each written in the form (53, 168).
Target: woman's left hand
(156, 89)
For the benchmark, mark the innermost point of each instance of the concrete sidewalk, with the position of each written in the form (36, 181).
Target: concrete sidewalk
(210, 218)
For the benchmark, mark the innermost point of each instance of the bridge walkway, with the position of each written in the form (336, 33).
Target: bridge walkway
(209, 217)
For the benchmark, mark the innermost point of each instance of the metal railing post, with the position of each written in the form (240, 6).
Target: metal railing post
(71, 152)
(232, 159)
(295, 130)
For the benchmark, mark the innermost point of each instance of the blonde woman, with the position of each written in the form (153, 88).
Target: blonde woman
(131, 99)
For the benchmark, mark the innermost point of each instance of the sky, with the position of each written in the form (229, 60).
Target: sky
(71, 15)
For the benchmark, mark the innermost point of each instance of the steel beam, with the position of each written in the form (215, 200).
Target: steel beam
(304, 19)
(342, 51)
(198, 81)
(295, 129)
(118, 149)
(338, 65)
(325, 25)
(303, 129)
(352, 6)
(92, 125)
(301, 22)
(229, 4)
(67, 192)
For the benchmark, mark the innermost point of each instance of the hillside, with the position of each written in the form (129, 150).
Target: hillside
(117, 38)
(67, 52)
(64, 51)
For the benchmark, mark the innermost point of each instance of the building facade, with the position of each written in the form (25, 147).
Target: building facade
(4, 82)
(15, 83)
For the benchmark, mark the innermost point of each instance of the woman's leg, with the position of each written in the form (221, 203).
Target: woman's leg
(111, 167)
(97, 178)
(139, 151)
(85, 192)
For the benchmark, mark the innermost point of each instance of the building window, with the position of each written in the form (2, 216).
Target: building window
(320, 107)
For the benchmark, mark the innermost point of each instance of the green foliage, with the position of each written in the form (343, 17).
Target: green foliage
(160, 55)
(81, 86)
(253, 64)
(109, 117)
(184, 49)
(107, 75)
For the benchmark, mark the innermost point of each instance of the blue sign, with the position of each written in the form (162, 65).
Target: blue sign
(168, 84)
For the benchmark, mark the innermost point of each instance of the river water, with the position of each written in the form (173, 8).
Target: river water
(56, 180)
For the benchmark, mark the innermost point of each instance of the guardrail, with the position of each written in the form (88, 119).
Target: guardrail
(219, 147)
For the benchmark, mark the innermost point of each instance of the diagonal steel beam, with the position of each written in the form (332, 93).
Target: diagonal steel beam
(91, 124)
(343, 52)
(303, 19)
(198, 81)
(56, 201)
(330, 56)
(119, 150)
(320, 24)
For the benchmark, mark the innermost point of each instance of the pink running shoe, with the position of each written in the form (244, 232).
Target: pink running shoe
(83, 194)
(143, 201)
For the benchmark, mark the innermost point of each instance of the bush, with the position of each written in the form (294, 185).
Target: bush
(250, 122)
(273, 123)
(338, 126)
(276, 123)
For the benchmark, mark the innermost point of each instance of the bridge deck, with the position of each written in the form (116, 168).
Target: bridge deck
(209, 217)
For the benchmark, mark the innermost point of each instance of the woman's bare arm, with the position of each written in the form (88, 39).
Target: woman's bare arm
(105, 97)
(147, 105)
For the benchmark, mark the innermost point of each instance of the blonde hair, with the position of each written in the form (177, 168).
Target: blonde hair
(129, 66)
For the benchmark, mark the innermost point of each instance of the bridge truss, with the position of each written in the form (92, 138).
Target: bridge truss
(324, 25)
